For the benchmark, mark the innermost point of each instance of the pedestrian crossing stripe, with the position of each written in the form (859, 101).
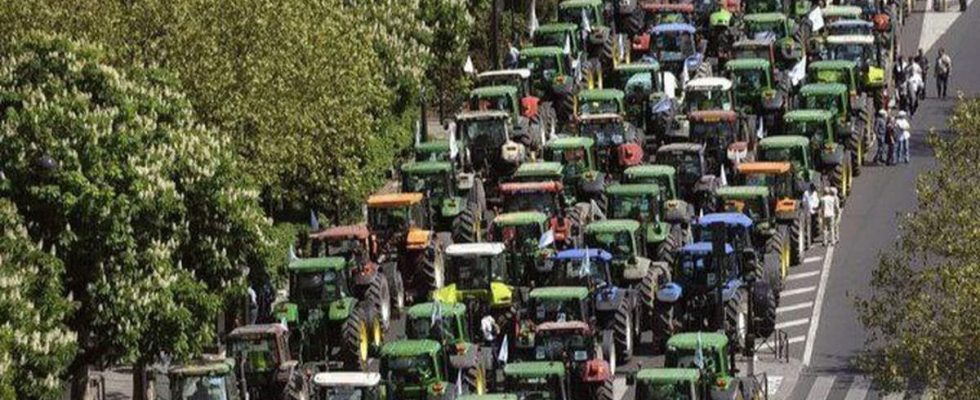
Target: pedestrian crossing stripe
(844, 386)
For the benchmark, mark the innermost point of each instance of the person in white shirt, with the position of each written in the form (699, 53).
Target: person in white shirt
(829, 211)
(811, 198)
(903, 134)
(916, 84)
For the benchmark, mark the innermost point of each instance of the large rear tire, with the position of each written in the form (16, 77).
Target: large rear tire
(666, 249)
(763, 309)
(355, 331)
(433, 267)
(777, 245)
(467, 225)
(379, 296)
(606, 391)
(624, 333)
(797, 239)
(736, 319)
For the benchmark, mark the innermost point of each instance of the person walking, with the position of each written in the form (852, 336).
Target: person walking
(914, 80)
(903, 133)
(811, 198)
(923, 62)
(881, 131)
(944, 66)
(890, 140)
(829, 210)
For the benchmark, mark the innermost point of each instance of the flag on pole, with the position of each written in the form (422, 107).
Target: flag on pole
(451, 132)
(532, 21)
(760, 130)
(418, 132)
(724, 179)
(468, 67)
(798, 73)
(314, 222)
(685, 76)
(459, 382)
(504, 353)
(816, 19)
(699, 354)
(567, 48)
(436, 315)
(586, 25)
(292, 254)
(587, 264)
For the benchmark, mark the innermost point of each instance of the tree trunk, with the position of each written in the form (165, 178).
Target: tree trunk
(140, 381)
(79, 382)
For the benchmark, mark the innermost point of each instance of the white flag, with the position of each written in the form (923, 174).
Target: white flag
(546, 239)
(504, 353)
(699, 354)
(459, 382)
(816, 19)
(567, 49)
(798, 73)
(468, 67)
(418, 132)
(760, 131)
(532, 21)
(292, 254)
(724, 179)
(586, 25)
(685, 76)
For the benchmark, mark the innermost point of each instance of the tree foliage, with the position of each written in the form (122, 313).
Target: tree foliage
(146, 209)
(922, 316)
(35, 346)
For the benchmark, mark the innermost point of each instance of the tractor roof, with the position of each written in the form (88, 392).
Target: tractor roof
(703, 248)
(317, 264)
(675, 147)
(410, 348)
(727, 218)
(690, 341)
(204, 367)
(425, 310)
(713, 115)
(633, 189)
(342, 233)
(426, 167)
(850, 39)
(564, 328)
(741, 64)
(494, 91)
(673, 27)
(534, 369)
(783, 141)
(831, 64)
(646, 66)
(807, 115)
(823, 89)
(841, 11)
(708, 83)
(558, 27)
(612, 226)
(531, 187)
(433, 146)
(545, 169)
(579, 4)
(258, 330)
(601, 95)
(350, 379)
(559, 293)
(570, 142)
(668, 375)
(520, 218)
(523, 73)
(765, 17)
(685, 8)
(742, 192)
(600, 118)
(647, 171)
(475, 249)
(581, 254)
(542, 51)
(765, 167)
(482, 115)
(488, 396)
(393, 200)
(849, 23)
(765, 41)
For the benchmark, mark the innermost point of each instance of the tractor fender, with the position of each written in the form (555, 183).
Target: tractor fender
(340, 309)
(609, 298)
(418, 239)
(446, 294)
(638, 271)
(677, 212)
(787, 209)
(501, 295)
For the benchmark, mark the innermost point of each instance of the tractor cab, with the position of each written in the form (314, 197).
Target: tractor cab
(551, 71)
(664, 176)
(263, 352)
(575, 155)
(537, 380)
(715, 130)
(858, 27)
(779, 177)
(756, 86)
(738, 230)
(591, 364)
(478, 275)
(391, 217)
(779, 27)
(433, 150)
(664, 223)
(752, 201)
(711, 93)
(519, 78)
(523, 234)
(699, 272)
(536, 187)
(763, 48)
(639, 202)
(557, 35)
(863, 51)
(793, 149)
(559, 304)
(499, 98)
(348, 385)
(832, 97)
(579, 267)
(670, 384)
(441, 185)
(696, 177)
(673, 45)
(209, 378)
(650, 96)
(624, 240)
(415, 369)
(600, 101)
(449, 325)
(834, 71)
(616, 141)
(313, 284)
(582, 13)
(816, 124)
(487, 142)
(351, 242)
(709, 353)
(668, 13)
(834, 13)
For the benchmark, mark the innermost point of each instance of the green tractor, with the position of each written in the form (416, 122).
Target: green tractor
(791, 39)
(539, 188)
(449, 324)
(529, 128)
(589, 16)
(322, 299)
(697, 177)
(589, 362)
(488, 145)
(698, 366)
(553, 77)
(417, 369)
(854, 120)
(523, 234)
(782, 229)
(870, 59)
(266, 365)
(600, 101)
(348, 385)
(818, 130)
(457, 202)
(537, 380)
(479, 276)
(787, 189)
(649, 98)
(618, 144)
(725, 136)
(760, 89)
(206, 378)
(664, 176)
(664, 231)
(579, 174)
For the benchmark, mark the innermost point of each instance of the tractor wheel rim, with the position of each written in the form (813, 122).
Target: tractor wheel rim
(480, 381)
(629, 334)
(742, 326)
(784, 261)
(362, 331)
(376, 330)
(385, 312)
(612, 359)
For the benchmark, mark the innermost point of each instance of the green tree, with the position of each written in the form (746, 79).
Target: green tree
(144, 206)
(35, 346)
(922, 316)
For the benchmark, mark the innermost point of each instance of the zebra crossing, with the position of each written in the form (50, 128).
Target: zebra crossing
(796, 304)
(844, 387)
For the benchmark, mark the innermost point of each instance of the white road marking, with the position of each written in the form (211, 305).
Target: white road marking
(792, 340)
(935, 24)
(859, 388)
(893, 396)
(794, 307)
(821, 388)
(818, 306)
(772, 384)
(790, 324)
(801, 275)
(794, 292)
(619, 388)
(812, 259)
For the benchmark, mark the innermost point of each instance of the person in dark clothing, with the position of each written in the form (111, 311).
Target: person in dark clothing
(891, 140)
(944, 65)
(881, 131)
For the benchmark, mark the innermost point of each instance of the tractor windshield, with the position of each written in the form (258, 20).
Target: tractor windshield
(432, 184)
(388, 219)
(557, 310)
(712, 134)
(542, 68)
(578, 272)
(619, 244)
(574, 161)
(674, 45)
(639, 208)
(403, 371)
(540, 201)
(752, 51)
(794, 155)
(763, 29)
(535, 388)
(487, 133)
(518, 237)
(706, 99)
(827, 102)
(500, 103)
(750, 80)
(858, 53)
(688, 358)
(202, 388)
(257, 353)
(666, 391)
(434, 327)
(342, 393)
(697, 272)
(815, 130)
(574, 15)
(687, 164)
(561, 346)
(475, 272)
(312, 288)
(756, 208)
(607, 133)
(599, 107)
